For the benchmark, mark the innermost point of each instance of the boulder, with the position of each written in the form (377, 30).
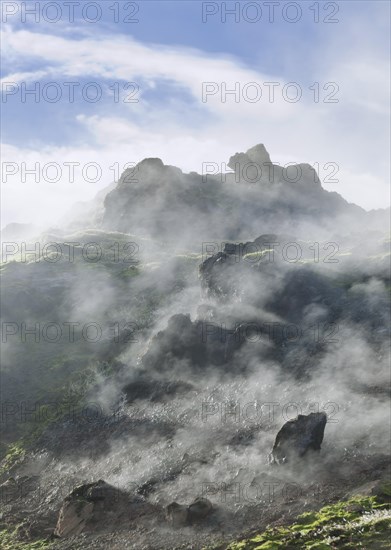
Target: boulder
(199, 509)
(73, 517)
(180, 515)
(98, 506)
(298, 436)
(177, 514)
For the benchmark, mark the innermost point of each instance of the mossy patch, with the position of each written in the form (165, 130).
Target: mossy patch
(15, 453)
(9, 541)
(361, 522)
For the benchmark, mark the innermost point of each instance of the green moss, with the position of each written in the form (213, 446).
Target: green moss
(9, 541)
(361, 522)
(128, 273)
(257, 255)
(14, 454)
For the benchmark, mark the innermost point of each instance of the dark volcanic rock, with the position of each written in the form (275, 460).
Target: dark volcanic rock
(177, 514)
(224, 274)
(98, 506)
(180, 515)
(192, 345)
(219, 273)
(199, 510)
(298, 436)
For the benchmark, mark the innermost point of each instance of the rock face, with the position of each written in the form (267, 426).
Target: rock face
(298, 436)
(74, 516)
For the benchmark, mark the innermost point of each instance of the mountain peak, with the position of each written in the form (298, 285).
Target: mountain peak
(152, 162)
(257, 155)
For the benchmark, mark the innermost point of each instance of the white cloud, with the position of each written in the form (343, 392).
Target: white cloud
(304, 131)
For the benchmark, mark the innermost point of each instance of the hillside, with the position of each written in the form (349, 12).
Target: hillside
(154, 346)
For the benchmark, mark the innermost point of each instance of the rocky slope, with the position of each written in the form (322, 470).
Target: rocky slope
(204, 316)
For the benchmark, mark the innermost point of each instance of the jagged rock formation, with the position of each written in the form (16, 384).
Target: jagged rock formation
(162, 202)
(298, 436)
(223, 274)
(255, 166)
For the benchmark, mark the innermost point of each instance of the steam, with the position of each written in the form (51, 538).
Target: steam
(220, 427)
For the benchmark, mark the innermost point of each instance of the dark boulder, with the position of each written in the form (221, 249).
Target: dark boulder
(298, 436)
(199, 510)
(177, 514)
(98, 506)
(180, 515)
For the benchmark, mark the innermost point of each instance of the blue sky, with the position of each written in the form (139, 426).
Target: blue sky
(169, 53)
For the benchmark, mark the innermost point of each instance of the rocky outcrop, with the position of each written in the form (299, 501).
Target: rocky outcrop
(98, 506)
(298, 436)
(222, 274)
(219, 274)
